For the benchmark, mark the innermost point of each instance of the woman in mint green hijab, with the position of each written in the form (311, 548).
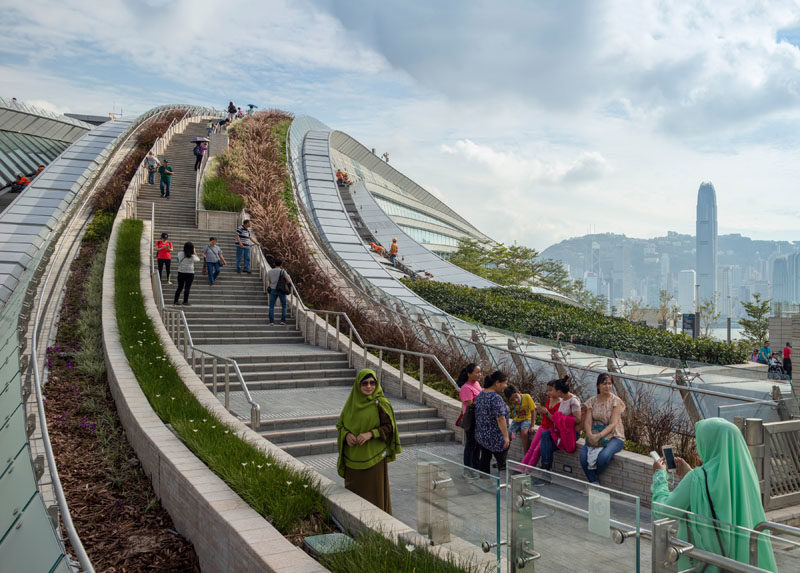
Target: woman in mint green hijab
(724, 488)
(368, 440)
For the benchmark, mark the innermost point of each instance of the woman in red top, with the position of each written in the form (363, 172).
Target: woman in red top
(532, 457)
(164, 248)
(787, 360)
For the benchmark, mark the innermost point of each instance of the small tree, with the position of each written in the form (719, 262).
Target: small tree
(631, 309)
(675, 315)
(665, 301)
(708, 314)
(756, 325)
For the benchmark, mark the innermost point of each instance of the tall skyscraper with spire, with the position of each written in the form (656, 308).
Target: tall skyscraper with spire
(707, 241)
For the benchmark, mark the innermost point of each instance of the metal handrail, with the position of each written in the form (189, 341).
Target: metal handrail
(72, 534)
(175, 331)
(768, 526)
(353, 331)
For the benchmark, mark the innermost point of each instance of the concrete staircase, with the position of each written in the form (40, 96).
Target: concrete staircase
(230, 319)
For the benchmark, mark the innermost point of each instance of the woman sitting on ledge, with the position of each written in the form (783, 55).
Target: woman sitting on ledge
(724, 488)
(368, 441)
(566, 420)
(602, 422)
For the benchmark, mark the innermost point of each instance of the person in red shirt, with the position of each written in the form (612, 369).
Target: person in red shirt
(39, 170)
(20, 183)
(787, 360)
(532, 456)
(164, 249)
(339, 177)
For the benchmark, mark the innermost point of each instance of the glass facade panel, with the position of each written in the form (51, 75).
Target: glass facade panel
(426, 237)
(396, 210)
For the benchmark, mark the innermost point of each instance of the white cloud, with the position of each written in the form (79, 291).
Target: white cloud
(510, 167)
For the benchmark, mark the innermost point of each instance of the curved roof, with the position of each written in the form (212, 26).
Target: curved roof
(30, 136)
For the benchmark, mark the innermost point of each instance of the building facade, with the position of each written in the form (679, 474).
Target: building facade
(706, 237)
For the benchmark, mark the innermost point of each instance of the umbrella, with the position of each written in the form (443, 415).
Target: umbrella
(252, 105)
(196, 139)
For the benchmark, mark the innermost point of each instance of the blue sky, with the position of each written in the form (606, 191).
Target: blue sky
(536, 120)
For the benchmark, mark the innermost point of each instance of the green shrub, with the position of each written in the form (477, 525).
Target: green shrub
(216, 196)
(519, 310)
(100, 228)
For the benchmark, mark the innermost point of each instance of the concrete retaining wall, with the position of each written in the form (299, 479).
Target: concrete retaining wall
(215, 220)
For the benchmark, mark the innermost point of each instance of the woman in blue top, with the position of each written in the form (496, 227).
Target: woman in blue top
(491, 423)
(764, 353)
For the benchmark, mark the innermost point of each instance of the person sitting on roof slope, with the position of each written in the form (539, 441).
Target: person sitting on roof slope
(346, 178)
(339, 177)
(20, 183)
(39, 170)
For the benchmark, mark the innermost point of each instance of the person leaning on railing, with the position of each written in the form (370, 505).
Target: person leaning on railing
(725, 488)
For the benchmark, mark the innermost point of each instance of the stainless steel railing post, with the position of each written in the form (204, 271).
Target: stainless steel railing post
(227, 386)
(214, 377)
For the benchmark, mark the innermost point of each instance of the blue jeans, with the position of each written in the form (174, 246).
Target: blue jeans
(243, 257)
(546, 448)
(213, 271)
(614, 445)
(151, 177)
(273, 296)
(165, 183)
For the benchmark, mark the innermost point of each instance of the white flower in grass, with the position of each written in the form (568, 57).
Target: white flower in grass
(288, 483)
(173, 397)
(305, 486)
(160, 376)
(259, 466)
(191, 421)
(227, 431)
(244, 464)
(409, 547)
(158, 395)
(194, 430)
(204, 420)
(269, 464)
(213, 427)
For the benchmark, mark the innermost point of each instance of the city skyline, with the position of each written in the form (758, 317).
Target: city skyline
(587, 115)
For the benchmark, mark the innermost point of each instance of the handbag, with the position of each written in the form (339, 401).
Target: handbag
(466, 420)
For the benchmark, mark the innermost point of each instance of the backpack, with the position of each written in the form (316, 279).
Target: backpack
(198, 150)
(281, 286)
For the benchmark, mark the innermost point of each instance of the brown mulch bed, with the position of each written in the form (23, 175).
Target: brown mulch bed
(116, 513)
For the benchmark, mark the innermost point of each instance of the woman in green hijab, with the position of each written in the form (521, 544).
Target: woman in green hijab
(724, 488)
(368, 441)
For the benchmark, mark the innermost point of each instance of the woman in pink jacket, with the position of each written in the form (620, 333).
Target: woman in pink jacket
(469, 381)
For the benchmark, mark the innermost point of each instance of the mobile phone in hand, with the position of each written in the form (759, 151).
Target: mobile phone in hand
(669, 457)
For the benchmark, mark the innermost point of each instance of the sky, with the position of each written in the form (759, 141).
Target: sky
(535, 120)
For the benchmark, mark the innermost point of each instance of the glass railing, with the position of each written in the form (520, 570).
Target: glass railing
(683, 540)
(460, 509)
(564, 524)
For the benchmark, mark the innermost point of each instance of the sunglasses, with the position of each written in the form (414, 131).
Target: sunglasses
(370, 382)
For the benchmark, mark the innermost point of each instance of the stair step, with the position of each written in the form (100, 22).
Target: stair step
(329, 431)
(323, 421)
(292, 375)
(323, 365)
(302, 357)
(253, 385)
(327, 445)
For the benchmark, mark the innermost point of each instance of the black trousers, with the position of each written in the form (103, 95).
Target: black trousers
(470, 449)
(198, 160)
(184, 282)
(787, 367)
(161, 264)
(485, 459)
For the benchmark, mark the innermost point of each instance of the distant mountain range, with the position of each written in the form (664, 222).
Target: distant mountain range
(641, 267)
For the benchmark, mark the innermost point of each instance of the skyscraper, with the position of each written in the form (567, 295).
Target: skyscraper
(707, 241)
